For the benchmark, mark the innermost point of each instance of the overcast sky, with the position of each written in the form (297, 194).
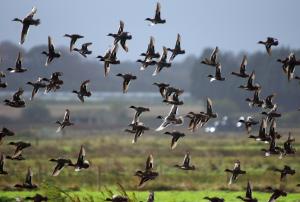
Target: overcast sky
(234, 25)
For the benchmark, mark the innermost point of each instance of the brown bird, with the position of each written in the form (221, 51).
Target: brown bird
(287, 170)
(217, 75)
(213, 60)
(162, 62)
(109, 58)
(242, 73)
(250, 86)
(288, 146)
(276, 193)
(65, 122)
(175, 137)
(27, 21)
(248, 197)
(148, 173)
(36, 86)
(249, 122)
(54, 82)
(83, 91)
(28, 181)
(16, 101)
(157, 19)
(186, 163)
(138, 130)
(74, 38)
(269, 43)
(150, 53)
(235, 172)
(121, 36)
(170, 119)
(18, 66)
(60, 164)
(162, 88)
(262, 134)
(255, 101)
(268, 104)
(138, 112)
(84, 49)
(81, 163)
(272, 114)
(20, 146)
(126, 80)
(289, 64)
(51, 54)
(177, 50)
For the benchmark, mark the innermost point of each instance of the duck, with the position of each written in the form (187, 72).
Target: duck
(272, 131)
(148, 173)
(214, 199)
(109, 58)
(37, 198)
(2, 163)
(248, 197)
(209, 114)
(28, 181)
(250, 86)
(262, 134)
(65, 122)
(74, 38)
(287, 170)
(177, 50)
(151, 197)
(242, 73)
(276, 193)
(138, 112)
(83, 91)
(81, 163)
(170, 119)
(2, 84)
(138, 129)
(235, 172)
(174, 100)
(84, 49)
(186, 163)
(118, 198)
(162, 62)
(54, 83)
(36, 86)
(127, 78)
(27, 21)
(288, 65)
(176, 135)
(249, 122)
(146, 63)
(121, 36)
(51, 54)
(17, 101)
(157, 19)
(218, 75)
(268, 104)
(172, 90)
(269, 43)
(196, 120)
(18, 66)
(20, 146)
(60, 164)
(273, 149)
(213, 59)
(150, 53)
(288, 146)
(4, 133)
(272, 114)
(162, 87)
(256, 101)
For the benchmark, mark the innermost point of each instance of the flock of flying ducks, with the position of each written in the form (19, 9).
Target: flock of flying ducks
(170, 95)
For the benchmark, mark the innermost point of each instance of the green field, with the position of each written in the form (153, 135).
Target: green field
(114, 160)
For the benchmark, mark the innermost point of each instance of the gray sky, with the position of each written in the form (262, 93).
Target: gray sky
(234, 25)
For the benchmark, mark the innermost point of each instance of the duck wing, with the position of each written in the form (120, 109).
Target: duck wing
(243, 65)
(83, 86)
(157, 11)
(186, 160)
(249, 191)
(121, 27)
(67, 116)
(24, 32)
(28, 178)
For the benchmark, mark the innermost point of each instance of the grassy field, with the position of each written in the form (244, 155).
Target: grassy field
(114, 160)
